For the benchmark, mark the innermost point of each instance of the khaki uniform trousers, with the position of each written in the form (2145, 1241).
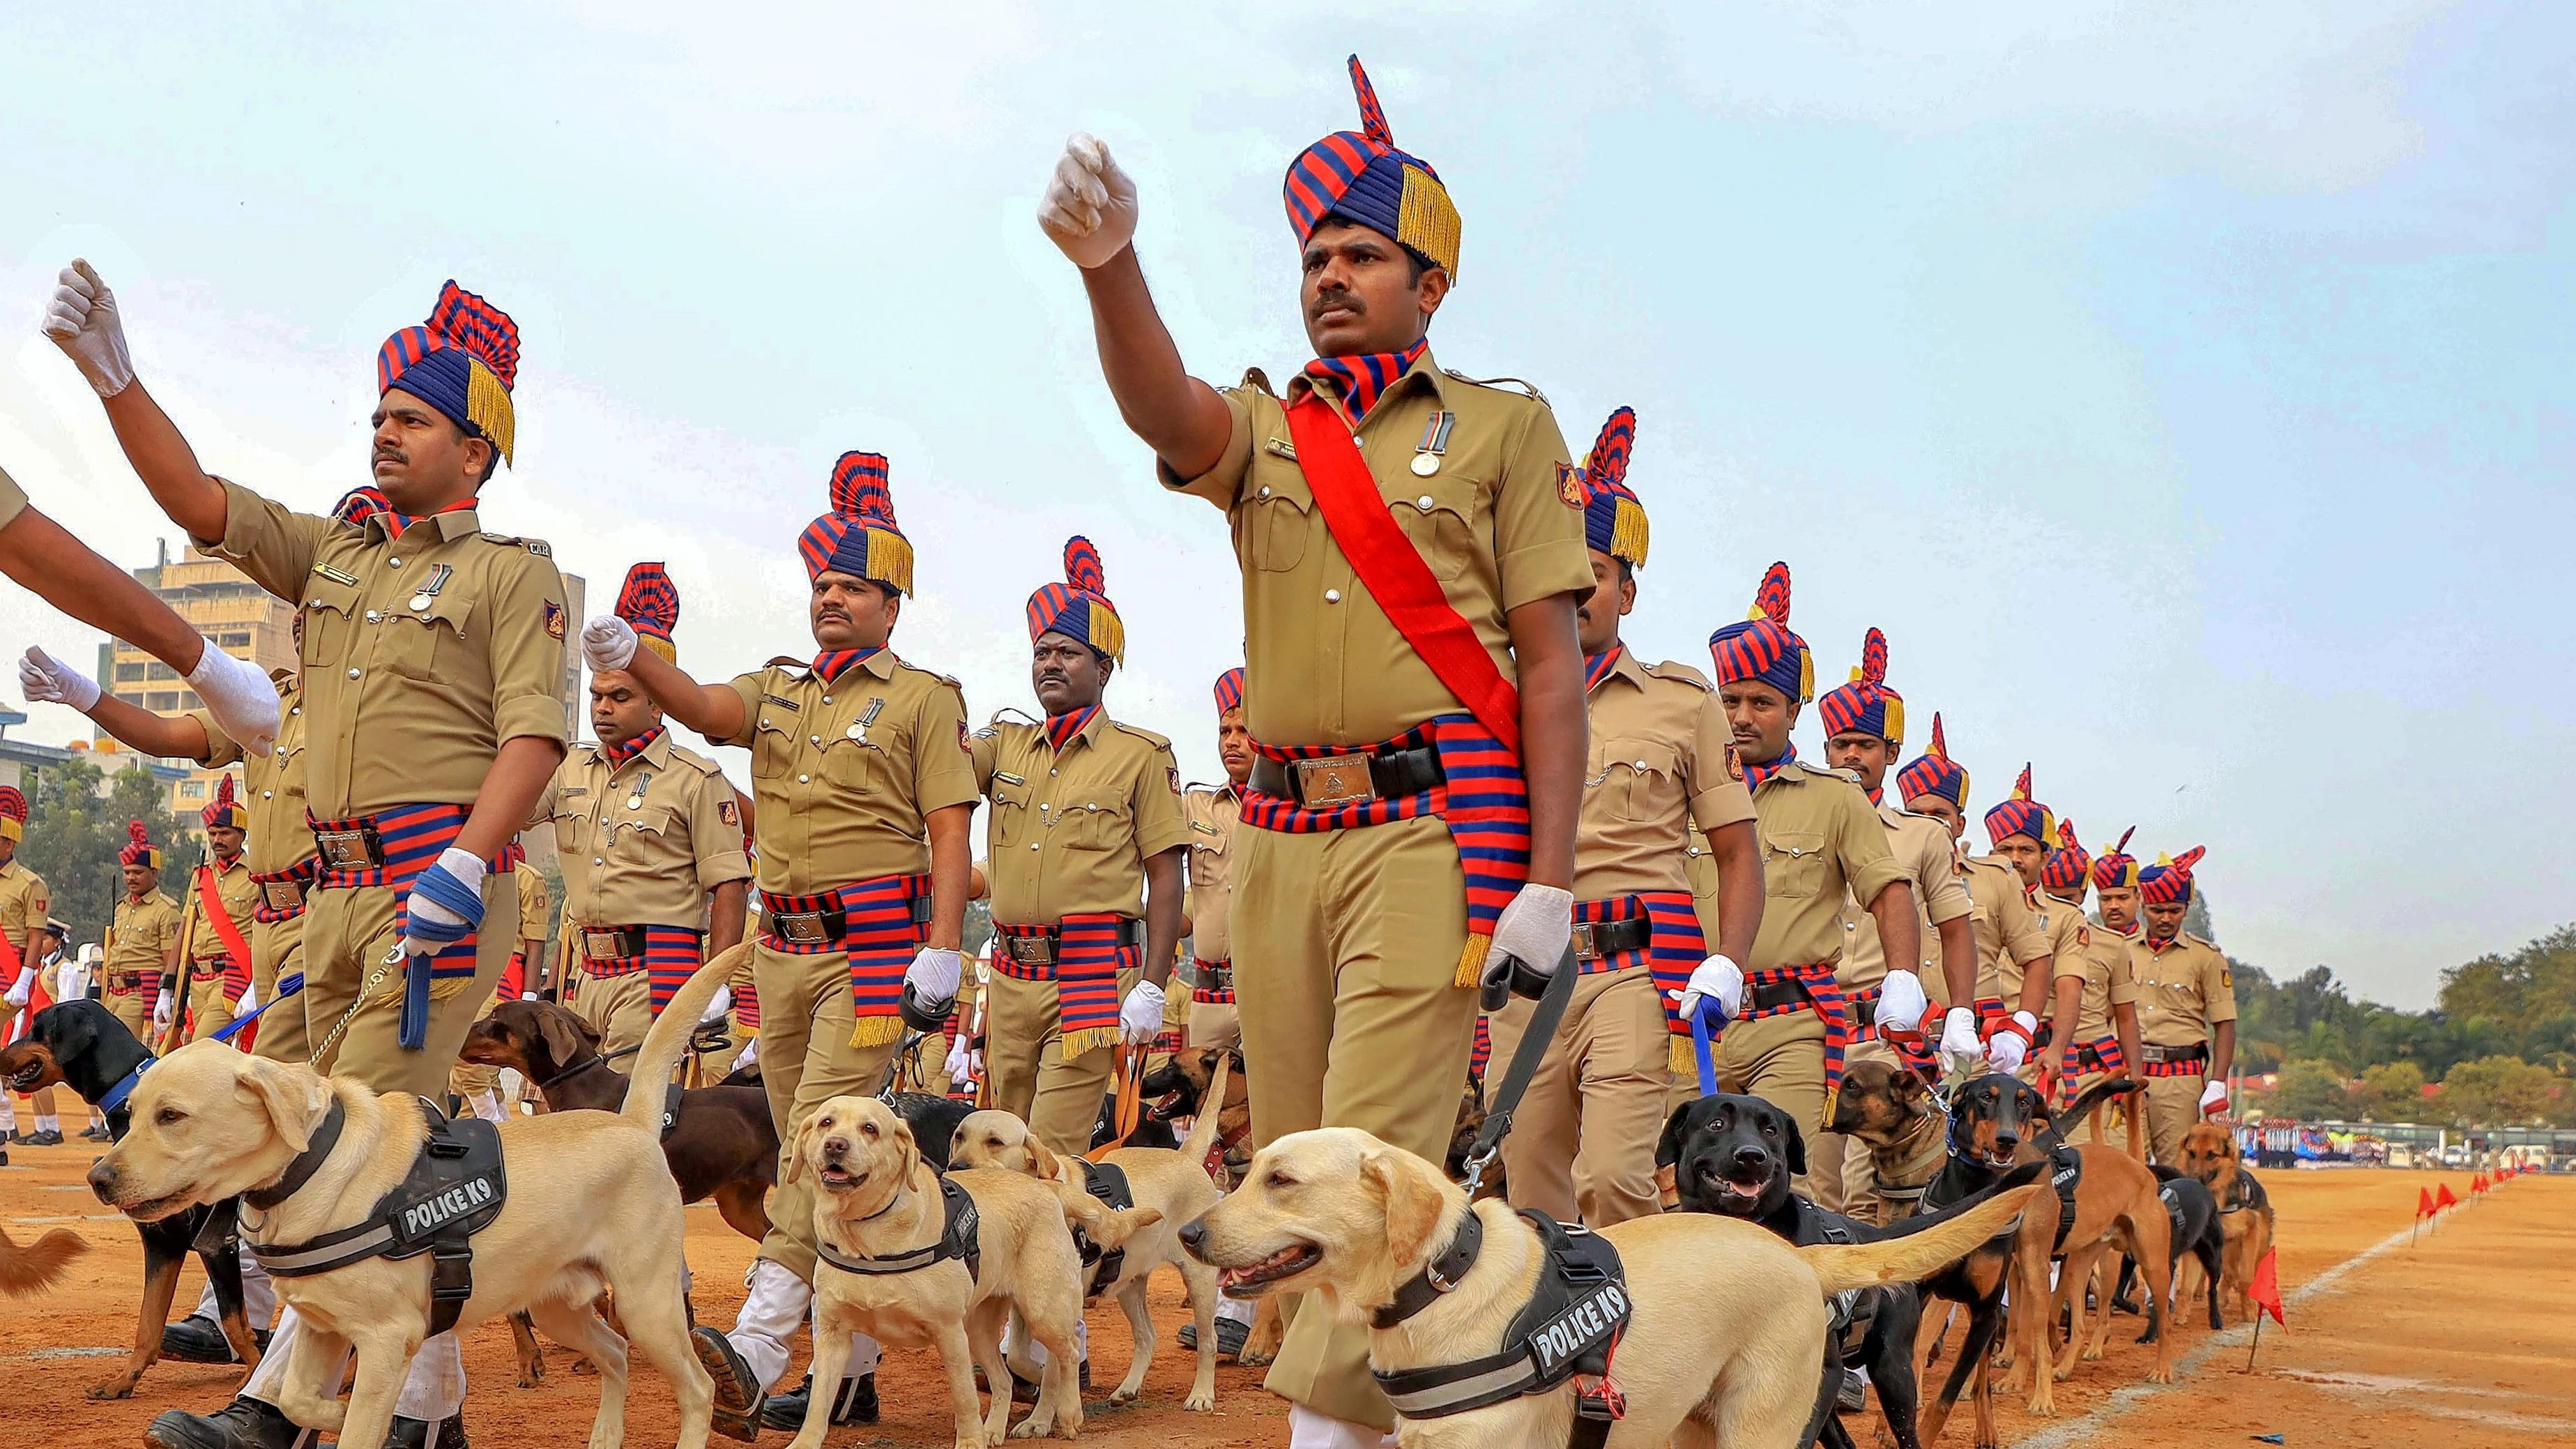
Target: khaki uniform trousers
(208, 1012)
(1214, 1024)
(1025, 1069)
(468, 1080)
(1780, 1059)
(134, 1008)
(277, 950)
(1583, 1138)
(2173, 1106)
(1346, 954)
(2113, 1116)
(348, 932)
(806, 1016)
(620, 1008)
(1839, 1167)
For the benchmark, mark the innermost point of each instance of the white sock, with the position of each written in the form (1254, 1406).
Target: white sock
(1236, 1310)
(770, 1314)
(8, 1114)
(259, 1296)
(864, 1354)
(488, 1107)
(1308, 1429)
(267, 1380)
(238, 694)
(435, 1388)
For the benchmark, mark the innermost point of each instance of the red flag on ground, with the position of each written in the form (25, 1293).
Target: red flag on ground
(2424, 1202)
(2266, 1288)
(2477, 1184)
(2444, 1198)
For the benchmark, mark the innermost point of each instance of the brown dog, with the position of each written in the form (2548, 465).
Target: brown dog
(1888, 1106)
(2244, 1208)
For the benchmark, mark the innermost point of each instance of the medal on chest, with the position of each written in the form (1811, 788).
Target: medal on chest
(635, 793)
(859, 730)
(1435, 442)
(437, 580)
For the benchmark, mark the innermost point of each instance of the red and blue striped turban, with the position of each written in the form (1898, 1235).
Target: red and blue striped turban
(650, 604)
(463, 361)
(1359, 177)
(1934, 773)
(2168, 881)
(1614, 522)
(1866, 706)
(858, 537)
(2021, 815)
(360, 504)
(1079, 608)
(2069, 865)
(1762, 648)
(139, 849)
(13, 813)
(2116, 869)
(1229, 691)
(225, 810)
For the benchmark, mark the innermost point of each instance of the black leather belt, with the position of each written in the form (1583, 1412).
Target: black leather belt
(1207, 975)
(1038, 948)
(612, 943)
(1350, 779)
(2196, 1052)
(1775, 996)
(1864, 1010)
(1597, 940)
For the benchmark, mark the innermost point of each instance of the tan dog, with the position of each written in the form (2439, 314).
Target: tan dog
(591, 1206)
(2244, 1208)
(1174, 1185)
(874, 1197)
(1729, 1320)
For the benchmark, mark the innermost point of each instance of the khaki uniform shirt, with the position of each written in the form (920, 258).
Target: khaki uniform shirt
(272, 784)
(846, 774)
(25, 905)
(2009, 936)
(1821, 841)
(1211, 816)
(642, 844)
(1923, 848)
(143, 935)
(1071, 833)
(533, 907)
(422, 654)
(238, 895)
(1662, 761)
(2183, 990)
(2095, 955)
(1500, 524)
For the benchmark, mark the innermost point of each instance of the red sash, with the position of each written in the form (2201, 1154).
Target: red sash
(1393, 572)
(227, 934)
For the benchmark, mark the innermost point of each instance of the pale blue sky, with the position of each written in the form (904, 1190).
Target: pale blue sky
(2188, 394)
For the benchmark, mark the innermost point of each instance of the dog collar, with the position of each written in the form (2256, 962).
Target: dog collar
(1438, 1277)
(117, 1094)
(306, 1163)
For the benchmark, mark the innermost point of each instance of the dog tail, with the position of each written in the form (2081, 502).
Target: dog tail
(660, 1054)
(2094, 1096)
(1203, 1127)
(1941, 1241)
(1107, 1226)
(40, 1264)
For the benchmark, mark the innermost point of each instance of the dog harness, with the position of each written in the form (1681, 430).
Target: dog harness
(1109, 1184)
(454, 1190)
(959, 1223)
(2065, 1173)
(1927, 1148)
(1570, 1327)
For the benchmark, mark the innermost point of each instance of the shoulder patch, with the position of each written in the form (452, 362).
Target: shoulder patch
(1679, 673)
(1505, 384)
(728, 811)
(554, 621)
(1569, 485)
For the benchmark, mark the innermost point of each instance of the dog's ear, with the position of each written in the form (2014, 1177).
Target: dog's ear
(1797, 1144)
(1668, 1150)
(1908, 1085)
(295, 1099)
(1404, 1183)
(1044, 1162)
(791, 1162)
(564, 1035)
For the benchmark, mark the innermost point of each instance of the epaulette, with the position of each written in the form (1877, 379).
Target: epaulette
(694, 760)
(1158, 741)
(787, 661)
(1827, 772)
(1524, 385)
(1006, 715)
(285, 679)
(1679, 673)
(1255, 377)
(537, 546)
(903, 663)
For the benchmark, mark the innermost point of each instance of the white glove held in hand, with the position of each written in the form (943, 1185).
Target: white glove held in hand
(82, 320)
(423, 912)
(1901, 1005)
(716, 1008)
(2008, 1050)
(964, 1063)
(1958, 1034)
(1535, 927)
(934, 974)
(24, 990)
(249, 1002)
(162, 1010)
(608, 642)
(1089, 210)
(1140, 1016)
(1715, 979)
(47, 680)
(2213, 1098)
(242, 699)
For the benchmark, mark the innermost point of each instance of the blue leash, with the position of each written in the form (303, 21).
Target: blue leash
(1700, 1029)
(286, 987)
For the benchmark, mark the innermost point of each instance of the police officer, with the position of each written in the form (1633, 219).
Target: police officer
(864, 793)
(432, 659)
(218, 964)
(1864, 723)
(1662, 763)
(1820, 842)
(2186, 1009)
(650, 837)
(2094, 1020)
(1355, 976)
(2014, 967)
(1211, 813)
(25, 941)
(142, 966)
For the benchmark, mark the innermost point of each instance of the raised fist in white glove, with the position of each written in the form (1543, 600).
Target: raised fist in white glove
(1089, 210)
(608, 642)
(47, 680)
(1715, 979)
(162, 1009)
(2009, 1049)
(1958, 1035)
(1140, 1016)
(1901, 1006)
(82, 320)
(934, 975)
(240, 696)
(2213, 1098)
(721, 1003)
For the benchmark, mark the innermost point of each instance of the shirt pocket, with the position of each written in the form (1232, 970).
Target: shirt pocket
(1278, 516)
(429, 644)
(572, 820)
(773, 746)
(1093, 827)
(1640, 779)
(851, 765)
(1438, 514)
(638, 835)
(1793, 863)
(1011, 811)
(330, 621)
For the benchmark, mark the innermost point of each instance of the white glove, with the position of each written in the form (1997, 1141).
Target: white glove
(608, 642)
(530, 996)
(242, 699)
(1901, 1006)
(2213, 1098)
(1535, 927)
(1140, 1016)
(162, 1011)
(716, 1009)
(47, 680)
(249, 1001)
(934, 973)
(1089, 210)
(24, 990)
(1958, 1034)
(750, 1053)
(82, 320)
(2009, 1049)
(425, 910)
(961, 1062)
(1715, 979)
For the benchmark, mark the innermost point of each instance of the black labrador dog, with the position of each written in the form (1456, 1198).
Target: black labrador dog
(1734, 1156)
(2196, 1230)
(81, 1045)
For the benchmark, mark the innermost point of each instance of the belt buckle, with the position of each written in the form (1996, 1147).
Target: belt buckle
(1334, 780)
(605, 945)
(1032, 950)
(282, 895)
(343, 849)
(1584, 947)
(801, 928)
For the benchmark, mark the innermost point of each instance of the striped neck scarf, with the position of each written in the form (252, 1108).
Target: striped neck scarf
(1755, 775)
(396, 523)
(1366, 377)
(831, 664)
(1061, 728)
(618, 755)
(1877, 793)
(1597, 667)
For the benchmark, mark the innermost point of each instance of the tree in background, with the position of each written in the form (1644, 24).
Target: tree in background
(2388, 1092)
(75, 826)
(2307, 1090)
(2497, 1091)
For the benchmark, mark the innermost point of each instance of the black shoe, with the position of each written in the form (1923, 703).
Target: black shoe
(196, 1339)
(95, 1132)
(244, 1423)
(414, 1434)
(855, 1404)
(47, 1138)
(1853, 1396)
(738, 1395)
(1230, 1337)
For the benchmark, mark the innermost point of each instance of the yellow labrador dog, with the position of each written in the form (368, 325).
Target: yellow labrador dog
(1174, 1184)
(1728, 1319)
(590, 1206)
(916, 1261)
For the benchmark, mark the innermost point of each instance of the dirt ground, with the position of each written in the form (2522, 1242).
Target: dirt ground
(2462, 1339)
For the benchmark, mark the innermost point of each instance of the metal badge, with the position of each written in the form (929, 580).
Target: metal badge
(859, 731)
(635, 801)
(438, 576)
(1435, 441)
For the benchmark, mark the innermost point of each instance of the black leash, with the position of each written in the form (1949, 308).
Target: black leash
(1524, 1063)
(577, 1068)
